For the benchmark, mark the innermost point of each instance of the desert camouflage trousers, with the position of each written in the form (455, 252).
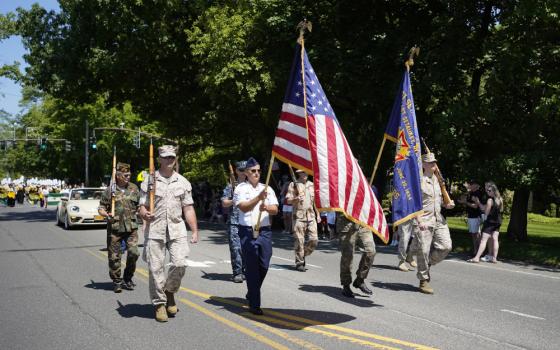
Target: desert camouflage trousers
(301, 248)
(430, 246)
(159, 283)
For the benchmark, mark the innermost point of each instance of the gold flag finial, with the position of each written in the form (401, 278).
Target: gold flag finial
(414, 51)
(302, 26)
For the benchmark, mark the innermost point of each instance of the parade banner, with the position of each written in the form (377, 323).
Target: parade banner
(403, 130)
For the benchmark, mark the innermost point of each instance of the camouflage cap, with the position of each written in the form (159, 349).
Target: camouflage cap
(167, 151)
(123, 167)
(299, 171)
(429, 158)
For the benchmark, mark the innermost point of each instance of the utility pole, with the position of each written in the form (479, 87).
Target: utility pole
(87, 153)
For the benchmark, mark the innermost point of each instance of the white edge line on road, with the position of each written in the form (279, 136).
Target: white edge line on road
(522, 314)
(461, 331)
(306, 264)
(488, 266)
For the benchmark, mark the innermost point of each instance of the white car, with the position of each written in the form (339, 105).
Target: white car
(79, 207)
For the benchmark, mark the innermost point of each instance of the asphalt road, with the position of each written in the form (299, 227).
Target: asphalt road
(56, 294)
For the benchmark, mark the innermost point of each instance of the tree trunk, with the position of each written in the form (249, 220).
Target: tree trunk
(517, 228)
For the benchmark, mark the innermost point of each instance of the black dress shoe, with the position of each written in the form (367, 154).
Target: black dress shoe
(362, 286)
(256, 311)
(347, 292)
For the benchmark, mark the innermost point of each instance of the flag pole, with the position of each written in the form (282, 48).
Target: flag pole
(414, 51)
(377, 160)
(258, 226)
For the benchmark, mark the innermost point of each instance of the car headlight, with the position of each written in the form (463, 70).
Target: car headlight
(75, 208)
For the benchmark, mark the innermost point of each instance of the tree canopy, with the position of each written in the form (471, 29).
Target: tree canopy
(213, 74)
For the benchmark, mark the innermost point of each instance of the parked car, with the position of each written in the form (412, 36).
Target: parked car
(79, 207)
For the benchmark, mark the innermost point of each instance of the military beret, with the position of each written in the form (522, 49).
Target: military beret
(251, 162)
(428, 158)
(167, 151)
(123, 167)
(241, 165)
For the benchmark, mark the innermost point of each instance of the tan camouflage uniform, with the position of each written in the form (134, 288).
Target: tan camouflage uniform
(167, 230)
(304, 221)
(433, 244)
(348, 232)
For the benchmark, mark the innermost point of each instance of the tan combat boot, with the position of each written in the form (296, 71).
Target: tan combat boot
(171, 306)
(402, 266)
(161, 315)
(412, 263)
(425, 288)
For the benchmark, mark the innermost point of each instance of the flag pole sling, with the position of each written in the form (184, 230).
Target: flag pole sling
(257, 228)
(377, 160)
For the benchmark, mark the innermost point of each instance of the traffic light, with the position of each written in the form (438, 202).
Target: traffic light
(43, 143)
(67, 146)
(136, 141)
(93, 142)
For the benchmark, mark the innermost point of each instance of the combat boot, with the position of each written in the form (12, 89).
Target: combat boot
(161, 315)
(171, 306)
(359, 283)
(117, 287)
(425, 288)
(402, 266)
(412, 263)
(347, 292)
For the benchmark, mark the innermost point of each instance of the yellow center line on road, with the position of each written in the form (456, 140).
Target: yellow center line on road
(244, 330)
(302, 343)
(307, 321)
(319, 331)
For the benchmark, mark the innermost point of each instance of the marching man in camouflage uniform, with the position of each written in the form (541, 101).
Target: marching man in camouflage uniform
(237, 263)
(348, 232)
(304, 217)
(166, 230)
(121, 227)
(432, 240)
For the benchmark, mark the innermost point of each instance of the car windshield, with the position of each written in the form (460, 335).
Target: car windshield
(83, 194)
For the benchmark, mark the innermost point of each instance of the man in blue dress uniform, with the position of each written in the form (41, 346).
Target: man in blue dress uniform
(252, 198)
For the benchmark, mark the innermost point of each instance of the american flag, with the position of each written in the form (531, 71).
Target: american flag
(317, 145)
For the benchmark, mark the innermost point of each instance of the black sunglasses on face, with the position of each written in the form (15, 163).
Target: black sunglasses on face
(168, 157)
(255, 171)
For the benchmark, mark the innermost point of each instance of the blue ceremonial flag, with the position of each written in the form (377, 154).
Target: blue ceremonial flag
(403, 130)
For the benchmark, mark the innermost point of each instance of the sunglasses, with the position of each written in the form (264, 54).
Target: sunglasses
(253, 171)
(168, 157)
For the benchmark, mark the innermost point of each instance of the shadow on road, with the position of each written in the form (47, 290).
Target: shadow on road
(336, 293)
(283, 318)
(135, 310)
(47, 249)
(395, 286)
(100, 285)
(216, 276)
(33, 215)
